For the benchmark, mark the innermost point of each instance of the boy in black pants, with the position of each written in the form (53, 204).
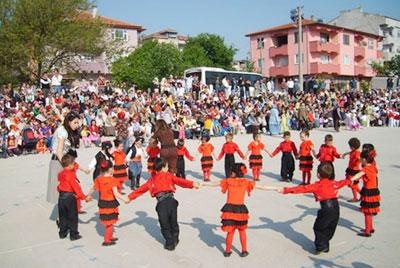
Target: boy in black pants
(287, 147)
(326, 192)
(162, 187)
(70, 191)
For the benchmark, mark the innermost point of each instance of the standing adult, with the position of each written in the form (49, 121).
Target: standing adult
(165, 135)
(274, 121)
(45, 82)
(336, 116)
(56, 81)
(65, 140)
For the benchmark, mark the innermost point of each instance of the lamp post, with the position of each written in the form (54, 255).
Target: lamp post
(297, 16)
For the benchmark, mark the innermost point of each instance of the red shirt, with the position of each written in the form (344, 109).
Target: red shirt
(183, 151)
(370, 177)
(306, 148)
(327, 153)
(286, 147)
(153, 151)
(119, 158)
(230, 147)
(105, 184)
(206, 149)
(256, 147)
(161, 182)
(237, 188)
(68, 182)
(354, 160)
(323, 189)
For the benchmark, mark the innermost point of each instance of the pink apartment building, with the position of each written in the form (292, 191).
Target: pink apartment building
(328, 50)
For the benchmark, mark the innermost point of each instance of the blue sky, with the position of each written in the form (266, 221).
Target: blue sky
(231, 19)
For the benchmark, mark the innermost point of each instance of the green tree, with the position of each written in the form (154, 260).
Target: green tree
(388, 68)
(150, 60)
(195, 56)
(209, 46)
(249, 66)
(38, 35)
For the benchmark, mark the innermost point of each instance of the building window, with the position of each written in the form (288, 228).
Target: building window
(296, 58)
(370, 43)
(346, 39)
(261, 63)
(260, 43)
(296, 37)
(119, 34)
(325, 59)
(282, 61)
(324, 38)
(346, 60)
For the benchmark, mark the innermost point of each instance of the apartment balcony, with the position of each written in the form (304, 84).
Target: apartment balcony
(360, 71)
(279, 71)
(278, 51)
(317, 46)
(329, 68)
(359, 52)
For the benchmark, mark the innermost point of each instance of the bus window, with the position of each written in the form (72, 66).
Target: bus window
(194, 74)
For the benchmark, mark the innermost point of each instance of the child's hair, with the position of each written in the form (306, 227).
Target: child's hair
(354, 143)
(159, 164)
(368, 147)
(117, 142)
(105, 166)
(229, 136)
(105, 145)
(286, 134)
(305, 133)
(205, 138)
(325, 171)
(138, 139)
(181, 142)
(238, 170)
(255, 135)
(367, 156)
(67, 160)
(328, 138)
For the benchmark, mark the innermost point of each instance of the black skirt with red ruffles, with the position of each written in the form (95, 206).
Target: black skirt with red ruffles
(370, 200)
(306, 163)
(108, 211)
(207, 163)
(234, 217)
(255, 161)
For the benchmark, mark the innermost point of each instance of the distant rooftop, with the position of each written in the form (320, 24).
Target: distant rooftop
(112, 22)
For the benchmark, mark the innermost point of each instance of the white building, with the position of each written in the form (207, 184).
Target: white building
(377, 24)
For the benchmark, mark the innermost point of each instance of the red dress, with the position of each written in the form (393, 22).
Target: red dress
(235, 214)
(153, 153)
(255, 159)
(206, 160)
(306, 159)
(108, 204)
(370, 195)
(120, 168)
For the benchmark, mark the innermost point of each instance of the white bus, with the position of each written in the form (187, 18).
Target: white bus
(208, 75)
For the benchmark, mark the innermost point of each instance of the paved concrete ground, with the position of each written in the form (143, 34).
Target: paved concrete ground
(280, 229)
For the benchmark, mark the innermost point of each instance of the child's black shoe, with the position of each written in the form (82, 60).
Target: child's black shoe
(227, 254)
(106, 244)
(75, 237)
(244, 254)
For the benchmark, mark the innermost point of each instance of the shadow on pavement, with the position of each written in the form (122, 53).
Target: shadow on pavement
(150, 225)
(208, 235)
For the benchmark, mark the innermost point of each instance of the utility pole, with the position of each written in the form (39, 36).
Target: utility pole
(300, 42)
(297, 16)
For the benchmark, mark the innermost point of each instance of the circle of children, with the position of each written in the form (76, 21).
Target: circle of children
(132, 113)
(112, 169)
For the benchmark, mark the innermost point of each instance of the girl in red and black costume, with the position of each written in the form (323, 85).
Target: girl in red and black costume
(256, 159)
(153, 151)
(182, 152)
(229, 149)
(120, 172)
(354, 166)
(235, 214)
(305, 157)
(108, 204)
(207, 152)
(370, 194)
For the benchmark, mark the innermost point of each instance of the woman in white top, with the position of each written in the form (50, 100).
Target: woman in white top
(65, 138)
